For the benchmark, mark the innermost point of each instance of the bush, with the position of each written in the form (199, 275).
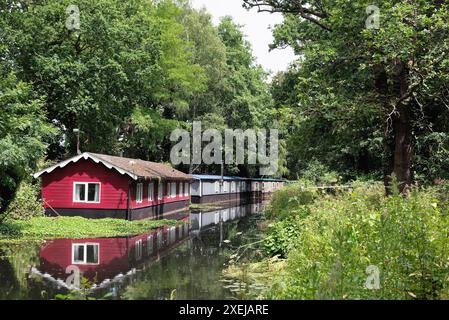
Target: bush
(290, 200)
(404, 237)
(281, 237)
(319, 174)
(26, 203)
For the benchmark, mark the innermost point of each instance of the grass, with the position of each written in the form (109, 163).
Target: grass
(41, 228)
(341, 236)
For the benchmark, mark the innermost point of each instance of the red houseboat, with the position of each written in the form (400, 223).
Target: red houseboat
(101, 186)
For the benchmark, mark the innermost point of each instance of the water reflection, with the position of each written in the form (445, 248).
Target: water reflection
(183, 261)
(106, 261)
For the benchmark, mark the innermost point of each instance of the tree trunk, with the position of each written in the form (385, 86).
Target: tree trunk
(402, 132)
(398, 132)
(403, 148)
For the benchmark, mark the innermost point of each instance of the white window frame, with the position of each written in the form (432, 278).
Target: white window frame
(232, 186)
(138, 249)
(172, 189)
(150, 191)
(225, 186)
(160, 190)
(84, 262)
(186, 189)
(86, 192)
(139, 191)
(217, 186)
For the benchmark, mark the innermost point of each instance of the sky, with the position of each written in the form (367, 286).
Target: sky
(255, 27)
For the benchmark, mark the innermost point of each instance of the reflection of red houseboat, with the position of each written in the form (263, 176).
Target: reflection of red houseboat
(100, 186)
(106, 258)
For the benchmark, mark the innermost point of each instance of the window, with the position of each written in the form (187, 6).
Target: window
(186, 189)
(85, 253)
(150, 245)
(181, 189)
(150, 191)
(173, 189)
(243, 186)
(217, 186)
(232, 186)
(139, 193)
(86, 192)
(225, 186)
(138, 251)
(160, 193)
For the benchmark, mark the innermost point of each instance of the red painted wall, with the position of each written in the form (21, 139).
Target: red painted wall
(56, 256)
(116, 255)
(57, 186)
(165, 198)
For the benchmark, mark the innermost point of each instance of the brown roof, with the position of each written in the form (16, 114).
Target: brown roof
(143, 168)
(135, 168)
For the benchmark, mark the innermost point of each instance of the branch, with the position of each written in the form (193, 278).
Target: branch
(289, 7)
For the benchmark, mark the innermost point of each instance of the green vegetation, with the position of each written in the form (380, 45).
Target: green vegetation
(365, 100)
(131, 74)
(41, 228)
(337, 237)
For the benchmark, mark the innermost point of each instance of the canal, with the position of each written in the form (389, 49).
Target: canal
(181, 262)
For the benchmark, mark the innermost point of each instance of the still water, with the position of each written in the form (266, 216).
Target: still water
(182, 262)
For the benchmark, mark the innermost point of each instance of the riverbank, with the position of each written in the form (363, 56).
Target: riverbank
(42, 228)
(356, 244)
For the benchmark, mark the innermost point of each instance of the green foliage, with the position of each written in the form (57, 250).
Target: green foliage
(290, 201)
(318, 173)
(24, 133)
(26, 203)
(346, 94)
(405, 237)
(281, 237)
(41, 228)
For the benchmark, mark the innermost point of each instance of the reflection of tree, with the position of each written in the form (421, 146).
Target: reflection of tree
(15, 263)
(194, 269)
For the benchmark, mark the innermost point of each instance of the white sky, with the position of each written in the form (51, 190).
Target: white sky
(255, 27)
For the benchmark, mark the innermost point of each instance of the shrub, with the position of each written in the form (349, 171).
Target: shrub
(26, 203)
(404, 237)
(281, 237)
(290, 200)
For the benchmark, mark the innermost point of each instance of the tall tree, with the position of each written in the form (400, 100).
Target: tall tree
(24, 134)
(355, 63)
(120, 56)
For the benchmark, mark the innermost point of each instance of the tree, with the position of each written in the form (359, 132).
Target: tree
(24, 134)
(125, 55)
(392, 68)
